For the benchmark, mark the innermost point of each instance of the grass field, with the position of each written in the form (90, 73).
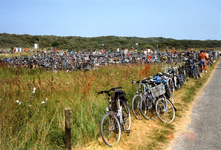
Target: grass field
(33, 125)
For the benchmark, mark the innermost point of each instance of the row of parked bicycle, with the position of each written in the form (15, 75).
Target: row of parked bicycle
(153, 99)
(72, 61)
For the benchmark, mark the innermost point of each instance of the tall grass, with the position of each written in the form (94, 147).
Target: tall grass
(31, 124)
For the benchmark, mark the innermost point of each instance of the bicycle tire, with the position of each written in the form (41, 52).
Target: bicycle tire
(164, 112)
(126, 116)
(185, 78)
(136, 106)
(174, 83)
(198, 73)
(195, 75)
(178, 86)
(112, 124)
(187, 74)
(171, 88)
(147, 113)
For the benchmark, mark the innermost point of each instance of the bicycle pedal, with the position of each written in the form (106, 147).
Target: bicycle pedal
(127, 131)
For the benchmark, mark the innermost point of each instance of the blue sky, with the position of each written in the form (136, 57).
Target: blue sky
(178, 19)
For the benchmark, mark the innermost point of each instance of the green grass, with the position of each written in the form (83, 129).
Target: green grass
(41, 126)
(9, 55)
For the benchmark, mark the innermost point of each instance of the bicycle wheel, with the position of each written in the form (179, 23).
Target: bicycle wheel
(126, 116)
(110, 129)
(147, 111)
(187, 72)
(171, 88)
(178, 86)
(136, 106)
(198, 72)
(195, 75)
(183, 77)
(165, 110)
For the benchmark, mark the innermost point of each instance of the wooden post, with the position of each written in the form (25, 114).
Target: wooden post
(67, 129)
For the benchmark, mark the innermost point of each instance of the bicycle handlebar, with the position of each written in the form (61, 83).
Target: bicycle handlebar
(142, 81)
(112, 89)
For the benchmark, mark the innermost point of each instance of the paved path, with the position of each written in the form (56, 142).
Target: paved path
(205, 123)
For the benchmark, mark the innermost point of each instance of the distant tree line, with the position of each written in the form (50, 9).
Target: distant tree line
(104, 42)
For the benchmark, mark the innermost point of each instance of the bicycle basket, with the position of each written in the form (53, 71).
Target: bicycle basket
(121, 94)
(158, 90)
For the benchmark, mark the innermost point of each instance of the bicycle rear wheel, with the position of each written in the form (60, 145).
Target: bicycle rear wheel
(165, 110)
(136, 107)
(126, 116)
(110, 129)
(147, 111)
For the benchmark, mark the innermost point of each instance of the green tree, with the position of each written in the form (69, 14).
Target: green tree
(55, 44)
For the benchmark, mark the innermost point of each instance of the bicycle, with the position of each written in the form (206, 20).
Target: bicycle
(155, 104)
(117, 115)
(137, 98)
(182, 73)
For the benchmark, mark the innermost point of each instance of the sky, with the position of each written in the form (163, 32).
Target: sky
(178, 19)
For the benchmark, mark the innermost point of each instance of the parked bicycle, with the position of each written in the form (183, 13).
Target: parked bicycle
(117, 115)
(155, 104)
(137, 97)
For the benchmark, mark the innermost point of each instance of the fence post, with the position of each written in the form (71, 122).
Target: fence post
(67, 129)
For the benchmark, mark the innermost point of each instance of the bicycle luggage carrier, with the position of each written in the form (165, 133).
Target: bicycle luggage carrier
(158, 90)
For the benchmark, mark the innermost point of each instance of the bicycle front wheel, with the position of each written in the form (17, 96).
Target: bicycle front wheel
(165, 110)
(136, 107)
(110, 129)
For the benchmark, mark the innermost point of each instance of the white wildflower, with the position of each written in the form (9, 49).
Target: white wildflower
(34, 89)
(43, 102)
(19, 102)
